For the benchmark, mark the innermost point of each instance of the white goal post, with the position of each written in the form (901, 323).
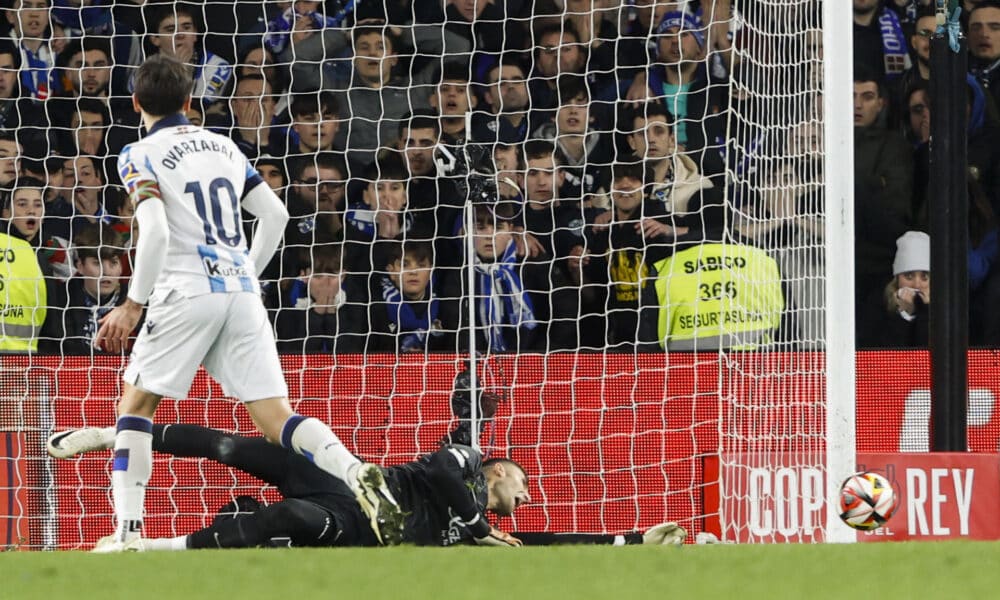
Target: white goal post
(838, 126)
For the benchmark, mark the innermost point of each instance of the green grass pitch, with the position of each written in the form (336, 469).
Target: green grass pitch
(890, 570)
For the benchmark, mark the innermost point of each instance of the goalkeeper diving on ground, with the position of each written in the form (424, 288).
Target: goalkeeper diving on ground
(444, 496)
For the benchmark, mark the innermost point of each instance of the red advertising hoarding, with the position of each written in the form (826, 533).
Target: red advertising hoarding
(766, 498)
(611, 442)
(942, 495)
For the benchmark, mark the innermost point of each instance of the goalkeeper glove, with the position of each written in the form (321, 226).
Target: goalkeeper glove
(498, 538)
(665, 534)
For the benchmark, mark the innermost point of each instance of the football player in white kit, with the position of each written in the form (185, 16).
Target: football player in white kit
(194, 268)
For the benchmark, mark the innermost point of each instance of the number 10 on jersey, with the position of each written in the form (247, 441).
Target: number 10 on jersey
(214, 215)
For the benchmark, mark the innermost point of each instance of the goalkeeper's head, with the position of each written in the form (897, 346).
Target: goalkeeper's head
(163, 86)
(506, 484)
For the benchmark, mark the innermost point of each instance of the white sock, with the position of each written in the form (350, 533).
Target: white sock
(314, 440)
(130, 473)
(169, 544)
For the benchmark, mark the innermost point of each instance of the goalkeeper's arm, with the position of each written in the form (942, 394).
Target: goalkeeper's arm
(447, 471)
(664, 534)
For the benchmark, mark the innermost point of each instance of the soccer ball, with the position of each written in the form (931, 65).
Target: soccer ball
(867, 501)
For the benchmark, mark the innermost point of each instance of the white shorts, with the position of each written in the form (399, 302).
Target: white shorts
(227, 333)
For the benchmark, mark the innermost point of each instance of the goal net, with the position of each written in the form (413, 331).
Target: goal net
(608, 219)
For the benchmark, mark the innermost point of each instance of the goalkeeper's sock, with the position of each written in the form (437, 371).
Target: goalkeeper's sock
(314, 440)
(169, 544)
(130, 473)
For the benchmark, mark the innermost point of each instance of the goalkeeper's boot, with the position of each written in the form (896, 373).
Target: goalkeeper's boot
(109, 544)
(69, 443)
(665, 534)
(377, 503)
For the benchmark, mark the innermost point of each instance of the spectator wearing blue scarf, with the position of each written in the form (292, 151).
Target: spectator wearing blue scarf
(520, 305)
(879, 41)
(301, 21)
(174, 31)
(504, 309)
(18, 112)
(30, 30)
(405, 312)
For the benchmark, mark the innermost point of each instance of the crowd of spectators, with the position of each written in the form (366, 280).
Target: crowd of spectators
(594, 141)
(892, 108)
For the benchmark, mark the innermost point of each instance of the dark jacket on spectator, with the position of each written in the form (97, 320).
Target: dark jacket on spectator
(388, 327)
(488, 128)
(983, 157)
(877, 327)
(33, 125)
(557, 228)
(300, 329)
(988, 76)
(592, 173)
(73, 317)
(492, 32)
(620, 261)
(883, 179)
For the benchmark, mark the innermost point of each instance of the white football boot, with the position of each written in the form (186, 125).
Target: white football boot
(69, 443)
(109, 545)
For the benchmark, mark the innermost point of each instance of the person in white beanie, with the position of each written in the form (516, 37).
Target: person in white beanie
(911, 270)
(899, 318)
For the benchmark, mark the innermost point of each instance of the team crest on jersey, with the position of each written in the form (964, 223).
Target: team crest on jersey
(129, 173)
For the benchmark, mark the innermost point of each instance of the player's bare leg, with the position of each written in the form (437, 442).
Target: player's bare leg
(313, 439)
(132, 466)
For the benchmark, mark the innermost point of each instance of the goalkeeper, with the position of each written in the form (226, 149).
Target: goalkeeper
(444, 495)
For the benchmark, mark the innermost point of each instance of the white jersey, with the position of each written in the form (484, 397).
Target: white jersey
(201, 178)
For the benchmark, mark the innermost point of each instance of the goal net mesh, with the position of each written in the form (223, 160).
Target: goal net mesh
(614, 210)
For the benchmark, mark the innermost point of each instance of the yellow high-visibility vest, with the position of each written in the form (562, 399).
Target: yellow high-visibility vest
(718, 296)
(23, 296)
